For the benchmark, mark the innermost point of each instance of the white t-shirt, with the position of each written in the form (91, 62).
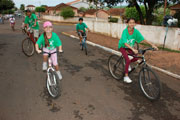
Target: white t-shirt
(12, 20)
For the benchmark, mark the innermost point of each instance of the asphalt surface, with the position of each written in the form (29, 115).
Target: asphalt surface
(89, 91)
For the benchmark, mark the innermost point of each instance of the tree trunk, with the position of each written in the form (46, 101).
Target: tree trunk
(149, 16)
(140, 12)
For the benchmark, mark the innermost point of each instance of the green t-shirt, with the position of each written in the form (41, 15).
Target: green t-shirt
(130, 39)
(54, 41)
(30, 21)
(81, 27)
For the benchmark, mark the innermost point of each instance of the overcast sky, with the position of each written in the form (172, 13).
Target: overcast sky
(40, 2)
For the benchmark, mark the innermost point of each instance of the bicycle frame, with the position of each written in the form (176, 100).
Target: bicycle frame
(84, 41)
(31, 36)
(50, 67)
(140, 57)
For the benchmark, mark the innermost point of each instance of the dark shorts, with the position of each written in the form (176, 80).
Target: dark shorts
(81, 34)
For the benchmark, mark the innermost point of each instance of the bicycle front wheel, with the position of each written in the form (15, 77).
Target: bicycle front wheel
(116, 66)
(28, 47)
(85, 48)
(149, 83)
(53, 84)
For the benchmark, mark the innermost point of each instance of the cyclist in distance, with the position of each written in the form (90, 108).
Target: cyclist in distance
(126, 44)
(81, 29)
(12, 21)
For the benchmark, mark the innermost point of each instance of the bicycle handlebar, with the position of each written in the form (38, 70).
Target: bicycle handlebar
(141, 51)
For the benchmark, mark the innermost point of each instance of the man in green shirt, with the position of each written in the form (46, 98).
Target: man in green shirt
(126, 44)
(81, 29)
(31, 22)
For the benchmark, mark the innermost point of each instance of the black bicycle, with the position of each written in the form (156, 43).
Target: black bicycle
(148, 80)
(83, 45)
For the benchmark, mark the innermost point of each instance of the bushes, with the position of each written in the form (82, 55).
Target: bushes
(82, 9)
(67, 13)
(159, 16)
(114, 20)
(40, 9)
(8, 12)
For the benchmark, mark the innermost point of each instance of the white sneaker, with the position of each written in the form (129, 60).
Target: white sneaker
(44, 68)
(127, 79)
(59, 75)
(129, 68)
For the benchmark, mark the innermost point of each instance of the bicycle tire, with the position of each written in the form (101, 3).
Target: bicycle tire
(54, 90)
(82, 46)
(85, 48)
(13, 28)
(30, 44)
(149, 82)
(117, 65)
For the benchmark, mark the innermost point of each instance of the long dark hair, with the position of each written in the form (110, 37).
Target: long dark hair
(46, 39)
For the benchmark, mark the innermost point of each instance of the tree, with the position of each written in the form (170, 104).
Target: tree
(6, 5)
(40, 9)
(131, 12)
(67, 12)
(97, 2)
(150, 5)
(177, 15)
(22, 7)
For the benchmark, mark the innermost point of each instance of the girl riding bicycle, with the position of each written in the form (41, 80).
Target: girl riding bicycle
(49, 41)
(129, 36)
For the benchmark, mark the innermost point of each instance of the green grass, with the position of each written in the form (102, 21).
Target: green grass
(161, 48)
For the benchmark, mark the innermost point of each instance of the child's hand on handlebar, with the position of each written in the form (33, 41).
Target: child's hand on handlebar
(38, 51)
(135, 51)
(61, 51)
(156, 48)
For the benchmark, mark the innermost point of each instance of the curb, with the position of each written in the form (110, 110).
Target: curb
(119, 54)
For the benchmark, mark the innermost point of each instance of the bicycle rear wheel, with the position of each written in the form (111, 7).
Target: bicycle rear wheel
(53, 84)
(149, 83)
(28, 47)
(116, 66)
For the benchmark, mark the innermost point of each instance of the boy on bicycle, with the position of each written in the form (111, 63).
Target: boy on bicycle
(81, 29)
(31, 21)
(129, 36)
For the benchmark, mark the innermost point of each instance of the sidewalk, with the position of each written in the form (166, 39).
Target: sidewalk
(163, 59)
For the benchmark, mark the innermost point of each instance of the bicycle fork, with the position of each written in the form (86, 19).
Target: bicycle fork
(51, 78)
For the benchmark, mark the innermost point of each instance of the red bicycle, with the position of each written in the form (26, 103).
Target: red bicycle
(28, 44)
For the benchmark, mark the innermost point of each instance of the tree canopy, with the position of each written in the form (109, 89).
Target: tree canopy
(22, 7)
(6, 5)
(149, 5)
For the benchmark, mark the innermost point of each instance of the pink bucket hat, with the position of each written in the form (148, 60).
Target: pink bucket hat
(47, 23)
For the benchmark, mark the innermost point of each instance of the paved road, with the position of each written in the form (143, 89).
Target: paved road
(89, 92)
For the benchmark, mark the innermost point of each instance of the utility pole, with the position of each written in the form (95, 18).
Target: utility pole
(165, 5)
